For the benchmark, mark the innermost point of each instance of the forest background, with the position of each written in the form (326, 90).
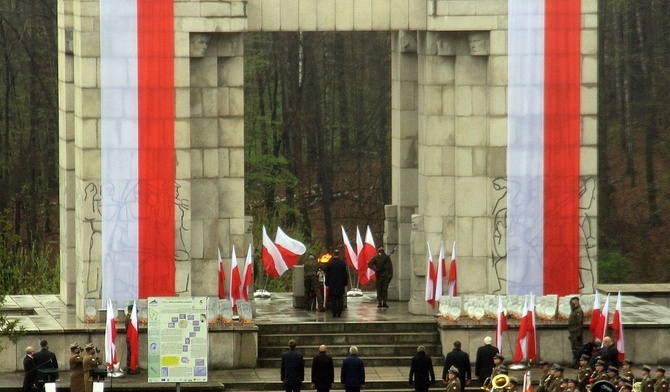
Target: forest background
(317, 139)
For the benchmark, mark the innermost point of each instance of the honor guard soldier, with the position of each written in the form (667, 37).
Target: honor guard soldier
(497, 364)
(612, 374)
(627, 372)
(545, 377)
(453, 382)
(599, 374)
(571, 385)
(584, 373)
(626, 388)
(556, 380)
(661, 384)
(647, 383)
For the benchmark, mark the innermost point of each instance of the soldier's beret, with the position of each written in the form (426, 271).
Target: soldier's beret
(453, 370)
(514, 380)
(627, 362)
(584, 357)
(646, 368)
(600, 362)
(498, 356)
(660, 369)
(612, 369)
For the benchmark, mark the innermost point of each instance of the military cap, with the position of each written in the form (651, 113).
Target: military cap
(600, 362)
(660, 369)
(646, 368)
(557, 367)
(498, 356)
(514, 380)
(90, 346)
(627, 362)
(572, 380)
(584, 357)
(565, 380)
(626, 386)
(453, 370)
(543, 363)
(74, 345)
(613, 369)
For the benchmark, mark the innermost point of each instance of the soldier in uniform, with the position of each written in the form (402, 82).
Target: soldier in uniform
(383, 267)
(556, 384)
(497, 364)
(584, 373)
(626, 387)
(599, 374)
(90, 362)
(647, 383)
(312, 267)
(76, 369)
(453, 382)
(575, 329)
(627, 372)
(572, 385)
(514, 384)
(545, 377)
(661, 384)
(612, 374)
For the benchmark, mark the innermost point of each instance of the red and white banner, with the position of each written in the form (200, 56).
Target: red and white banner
(137, 148)
(248, 274)
(430, 278)
(110, 335)
(290, 249)
(453, 290)
(349, 253)
(525, 341)
(617, 326)
(235, 281)
(273, 262)
(595, 318)
(221, 278)
(441, 274)
(365, 274)
(543, 146)
(133, 336)
(501, 324)
(603, 320)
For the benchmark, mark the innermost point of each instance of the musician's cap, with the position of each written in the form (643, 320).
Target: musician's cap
(543, 363)
(557, 367)
(627, 362)
(572, 380)
(90, 346)
(613, 369)
(660, 369)
(600, 362)
(453, 370)
(646, 368)
(74, 345)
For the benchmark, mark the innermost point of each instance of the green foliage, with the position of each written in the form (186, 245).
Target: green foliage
(614, 267)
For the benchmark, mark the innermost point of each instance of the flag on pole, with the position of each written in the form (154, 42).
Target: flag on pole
(543, 146)
(349, 253)
(430, 278)
(527, 382)
(525, 341)
(617, 326)
(248, 274)
(595, 317)
(604, 319)
(501, 324)
(221, 278)
(110, 336)
(441, 273)
(235, 281)
(360, 245)
(365, 275)
(273, 262)
(290, 249)
(453, 292)
(133, 336)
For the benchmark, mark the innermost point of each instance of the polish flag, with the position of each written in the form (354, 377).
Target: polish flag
(525, 341)
(603, 320)
(222, 277)
(110, 336)
(501, 324)
(527, 382)
(359, 243)
(273, 262)
(617, 326)
(235, 281)
(133, 336)
(248, 275)
(430, 278)
(595, 317)
(543, 147)
(453, 292)
(290, 249)
(441, 273)
(365, 274)
(137, 117)
(350, 255)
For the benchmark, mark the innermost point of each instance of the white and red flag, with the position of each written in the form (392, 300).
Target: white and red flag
(235, 280)
(290, 249)
(110, 335)
(543, 147)
(430, 278)
(527, 382)
(501, 324)
(603, 320)
(273, 262)
(133, 336)
(617, 327)
(525, 341)
(365, 274)
(453, 291)
(349, 253)
(137, 117)
(248, 274)
(222, 277)
(441, 274)
(595, 317)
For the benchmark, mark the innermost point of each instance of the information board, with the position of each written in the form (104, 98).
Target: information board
(177, 337)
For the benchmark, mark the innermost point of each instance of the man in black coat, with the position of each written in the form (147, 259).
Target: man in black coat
(337, 279)
(45, 362)
(352, 373)
(421, 373)
(323, 373)
(30, 375)
(484, 360)
(461, 361)
(292, 368)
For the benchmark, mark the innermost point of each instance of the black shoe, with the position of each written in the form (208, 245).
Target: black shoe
(380, 306)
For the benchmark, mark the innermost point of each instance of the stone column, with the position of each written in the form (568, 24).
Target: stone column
(404, 162)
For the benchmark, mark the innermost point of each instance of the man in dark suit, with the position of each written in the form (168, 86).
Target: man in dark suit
(337, 279)
(292, 368)
(461, 361)
(323, 373)
(30, 375)
(45, 362)
(352, 374)
(421, 373)
(484, 360)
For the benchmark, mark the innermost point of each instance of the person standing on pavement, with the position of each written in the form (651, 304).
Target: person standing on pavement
(76, 369)
(383, 267)
(421, 373)
(90, 362)
(352, 373)
(29, 375)
(323, 373)
(337, 278)
(575, 330)
(45, 361)
(312, 267)
(292, 368)
(484, 362)
(461, 360)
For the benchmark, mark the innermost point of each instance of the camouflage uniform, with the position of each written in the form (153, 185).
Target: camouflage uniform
(383, 267)
(312, 267)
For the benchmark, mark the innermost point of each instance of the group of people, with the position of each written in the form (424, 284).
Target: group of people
(37, 367)
(292, 371)
(337, 279)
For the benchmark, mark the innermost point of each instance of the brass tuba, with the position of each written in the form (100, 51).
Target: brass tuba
(500, 381)
(637, 386)
(486, 386)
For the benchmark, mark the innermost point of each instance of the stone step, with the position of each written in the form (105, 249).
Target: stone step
(344, 327)
(310, 339)
(385, 361)
(365, 350)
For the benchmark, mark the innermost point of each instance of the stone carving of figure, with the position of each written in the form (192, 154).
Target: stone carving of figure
(198, 44)
(478, 42)
(445, 46)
